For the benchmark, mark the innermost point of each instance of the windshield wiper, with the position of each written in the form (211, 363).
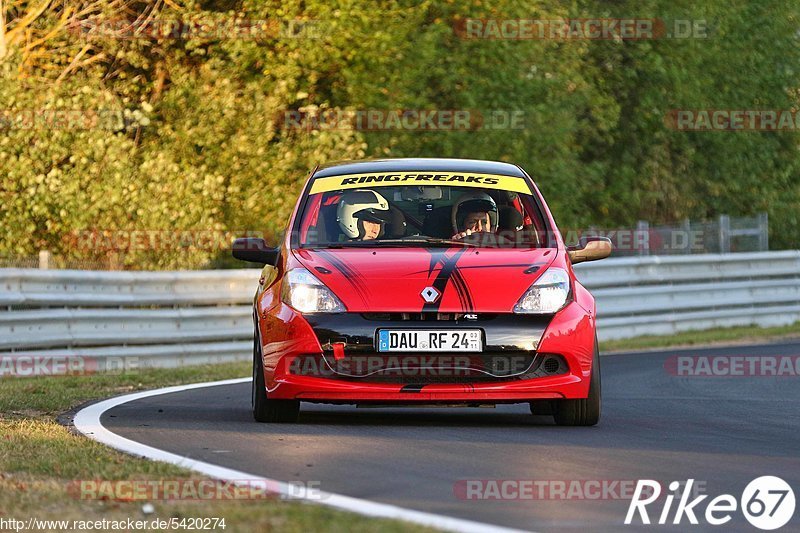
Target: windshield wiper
(416, 240)
(434, 240)
(408, 241)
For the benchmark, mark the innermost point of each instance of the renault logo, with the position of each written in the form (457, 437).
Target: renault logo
(430, 295)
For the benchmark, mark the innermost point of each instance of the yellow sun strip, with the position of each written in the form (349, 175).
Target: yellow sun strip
(430, 178)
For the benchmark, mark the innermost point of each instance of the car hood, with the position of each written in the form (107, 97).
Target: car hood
(467, 280)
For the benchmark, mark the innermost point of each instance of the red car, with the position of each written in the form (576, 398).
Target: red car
(422, 282)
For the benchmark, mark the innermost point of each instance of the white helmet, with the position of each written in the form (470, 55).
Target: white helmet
(358, 205)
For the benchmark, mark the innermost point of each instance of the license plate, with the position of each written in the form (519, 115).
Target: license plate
(429, 340)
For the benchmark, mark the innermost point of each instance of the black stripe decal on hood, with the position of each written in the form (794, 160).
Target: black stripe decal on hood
(440, 283)
(354, 278)
(499, 265)
(463, 291)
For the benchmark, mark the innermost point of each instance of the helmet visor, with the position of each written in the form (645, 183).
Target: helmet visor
(371, 214)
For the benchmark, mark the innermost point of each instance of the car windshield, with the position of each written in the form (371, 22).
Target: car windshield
(421, 209)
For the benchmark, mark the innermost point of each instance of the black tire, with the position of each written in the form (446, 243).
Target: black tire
(265, 410)
(583, 411)
(542, 408)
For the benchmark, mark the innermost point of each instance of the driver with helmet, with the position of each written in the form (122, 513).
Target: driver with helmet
(362, 214)
(473, 212)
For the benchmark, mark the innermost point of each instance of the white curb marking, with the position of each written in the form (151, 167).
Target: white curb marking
(87, 421)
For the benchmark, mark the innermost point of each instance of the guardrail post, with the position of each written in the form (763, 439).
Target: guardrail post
(724, 234)
(763, 235)
(44, 259)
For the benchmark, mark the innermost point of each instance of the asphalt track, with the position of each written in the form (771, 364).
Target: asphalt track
(721, 431)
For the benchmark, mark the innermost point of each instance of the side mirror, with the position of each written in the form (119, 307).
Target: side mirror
(255, 250)
(590, 249)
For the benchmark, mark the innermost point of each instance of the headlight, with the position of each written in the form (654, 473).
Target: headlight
(307, 294)
(549, 294)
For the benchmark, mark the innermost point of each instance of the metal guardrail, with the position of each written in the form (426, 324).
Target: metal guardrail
(162, 318)
(174, 318)
(667, 294)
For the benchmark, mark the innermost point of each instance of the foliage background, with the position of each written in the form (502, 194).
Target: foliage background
(200, 142)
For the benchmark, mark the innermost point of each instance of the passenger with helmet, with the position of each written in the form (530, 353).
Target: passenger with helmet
(473, 212)
(362, 214)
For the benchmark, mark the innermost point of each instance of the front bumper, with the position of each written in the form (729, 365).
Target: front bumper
(302, 360)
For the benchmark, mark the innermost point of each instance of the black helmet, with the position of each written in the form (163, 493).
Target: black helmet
(473, 202)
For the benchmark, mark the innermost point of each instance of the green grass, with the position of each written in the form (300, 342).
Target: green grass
(40, 460)
(56, 394)
(743, 334)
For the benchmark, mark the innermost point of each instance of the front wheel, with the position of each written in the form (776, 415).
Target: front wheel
(265, 410)
(583, 411)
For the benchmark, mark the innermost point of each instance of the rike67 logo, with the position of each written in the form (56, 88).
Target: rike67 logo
(767, 503)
